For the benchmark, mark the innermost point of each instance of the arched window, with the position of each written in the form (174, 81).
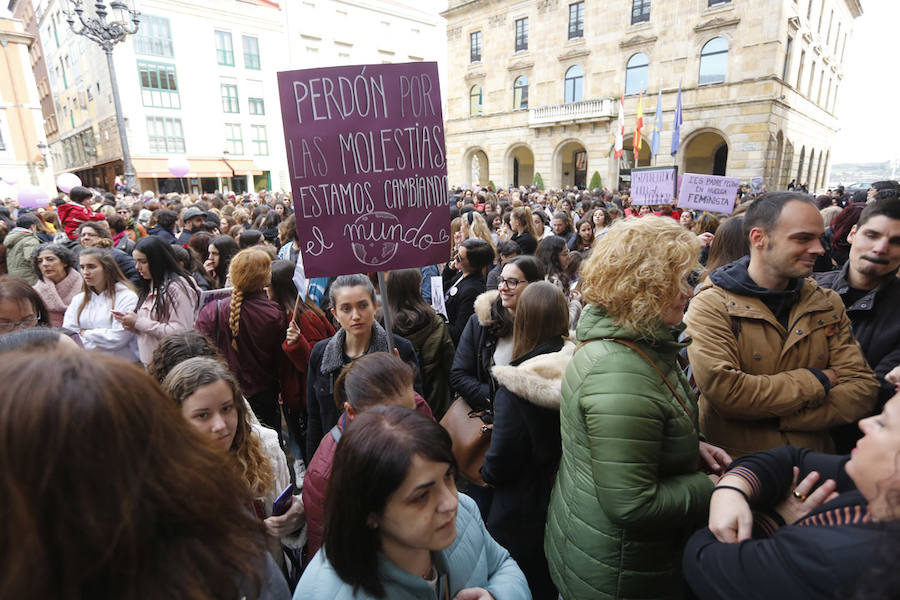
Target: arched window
(520, 93)
(714, 61)
(574, 91)
(636, 74)
(475, 101)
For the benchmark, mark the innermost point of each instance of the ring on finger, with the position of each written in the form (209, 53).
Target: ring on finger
(799, 496)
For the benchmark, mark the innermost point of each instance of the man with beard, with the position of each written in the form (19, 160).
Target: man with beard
(868, 285)
(772, 352)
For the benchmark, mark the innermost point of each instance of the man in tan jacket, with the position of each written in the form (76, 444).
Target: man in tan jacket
(772, 352)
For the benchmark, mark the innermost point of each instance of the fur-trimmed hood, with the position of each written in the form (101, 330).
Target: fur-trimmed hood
(538, 379)
(483, 305)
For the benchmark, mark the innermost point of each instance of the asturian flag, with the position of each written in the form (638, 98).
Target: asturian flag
(620, 130)
(638, 125)
(657, 125)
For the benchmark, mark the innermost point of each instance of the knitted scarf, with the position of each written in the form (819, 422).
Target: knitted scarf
(58, 296)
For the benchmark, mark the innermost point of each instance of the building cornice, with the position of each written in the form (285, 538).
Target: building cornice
(637, 40)
(462, 7)
(16, 38)
(717, 23)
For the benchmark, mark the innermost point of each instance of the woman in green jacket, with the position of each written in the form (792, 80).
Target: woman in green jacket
(635, 479)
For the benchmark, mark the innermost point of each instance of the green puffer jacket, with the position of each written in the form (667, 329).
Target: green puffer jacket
(628, 492)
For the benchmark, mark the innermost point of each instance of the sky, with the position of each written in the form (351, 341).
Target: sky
(868, 134)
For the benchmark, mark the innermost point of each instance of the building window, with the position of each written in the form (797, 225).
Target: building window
(257, 106)
(636, 74)
(475, 46)
(718, 2)
(640, 11)
(166, 135)
(800, 68)
(574, 90)
(714, 61)
(787, 58)
(260, 141)
(2, 144)
(234, 138)
(159, 86)
(809, 10)
(837, 37)
(251, 52)
(821, 82)
(828, 95)
(230, 98)
(812, 79)
(576, 20)
(520, 93)
(154, 37)
(830, 24)
(821, 14)
(224, 49)
(475, 101)
(521, 34)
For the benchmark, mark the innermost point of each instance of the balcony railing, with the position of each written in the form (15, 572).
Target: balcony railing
(572, 112)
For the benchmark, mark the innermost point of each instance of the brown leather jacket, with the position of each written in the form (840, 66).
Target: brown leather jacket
(757, 391)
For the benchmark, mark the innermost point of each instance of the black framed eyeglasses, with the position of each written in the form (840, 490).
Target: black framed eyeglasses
(510, 283)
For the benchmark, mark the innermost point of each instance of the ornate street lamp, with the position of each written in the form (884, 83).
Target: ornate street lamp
(106, 33)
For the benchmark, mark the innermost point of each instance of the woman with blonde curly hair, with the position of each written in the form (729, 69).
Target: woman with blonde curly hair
(211, 402)
(634, 479)
(248, 330)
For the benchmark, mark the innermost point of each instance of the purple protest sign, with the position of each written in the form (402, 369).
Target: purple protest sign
(653, 185)
(708, 192)
(366, 155)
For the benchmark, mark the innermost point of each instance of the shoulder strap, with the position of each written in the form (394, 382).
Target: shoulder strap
(644, 355)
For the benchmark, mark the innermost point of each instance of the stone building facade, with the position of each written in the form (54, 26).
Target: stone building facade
(534, 86)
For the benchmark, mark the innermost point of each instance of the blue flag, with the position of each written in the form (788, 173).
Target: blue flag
(657, 125)
(676, 133)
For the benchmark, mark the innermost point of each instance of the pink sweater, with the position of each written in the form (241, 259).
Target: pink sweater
(182, 313)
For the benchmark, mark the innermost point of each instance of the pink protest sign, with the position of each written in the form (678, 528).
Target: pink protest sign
(708, 192)
(366, 155)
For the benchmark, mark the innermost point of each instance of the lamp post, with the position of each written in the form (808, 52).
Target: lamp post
(107, 33)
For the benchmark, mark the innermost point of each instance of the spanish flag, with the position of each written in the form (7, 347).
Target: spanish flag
(639, 124)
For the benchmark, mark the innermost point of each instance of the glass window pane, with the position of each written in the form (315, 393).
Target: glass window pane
(712, 68)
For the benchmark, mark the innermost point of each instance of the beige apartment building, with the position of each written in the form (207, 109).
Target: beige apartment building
(534, 86)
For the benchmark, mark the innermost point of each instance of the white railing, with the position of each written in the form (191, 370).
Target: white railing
(572, 112)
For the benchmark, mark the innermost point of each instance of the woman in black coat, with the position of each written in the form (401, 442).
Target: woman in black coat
(803, 540)
(353, 305)
(490, 326)
(523, 225)
(525, 449)
(472, 261)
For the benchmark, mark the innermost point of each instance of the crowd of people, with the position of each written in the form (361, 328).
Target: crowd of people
(668, 403)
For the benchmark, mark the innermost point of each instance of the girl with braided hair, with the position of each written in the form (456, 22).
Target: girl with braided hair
(248, 329)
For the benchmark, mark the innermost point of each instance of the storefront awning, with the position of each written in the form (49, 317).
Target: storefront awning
(155, 168)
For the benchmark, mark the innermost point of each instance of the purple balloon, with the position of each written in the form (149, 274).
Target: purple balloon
(32, 196)
(66, 181)
(178, 166)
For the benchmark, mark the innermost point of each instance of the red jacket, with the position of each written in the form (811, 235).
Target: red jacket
(293, 372)
(71, 215)
(315, 484)
(260, 335)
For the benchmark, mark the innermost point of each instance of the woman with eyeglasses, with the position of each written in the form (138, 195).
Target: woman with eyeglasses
(472, 261)
(487, 339)
(20, 306)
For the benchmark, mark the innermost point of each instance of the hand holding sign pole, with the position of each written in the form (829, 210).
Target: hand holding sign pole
(367, 159)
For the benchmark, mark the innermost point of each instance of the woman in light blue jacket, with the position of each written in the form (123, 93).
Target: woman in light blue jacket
(395, 526)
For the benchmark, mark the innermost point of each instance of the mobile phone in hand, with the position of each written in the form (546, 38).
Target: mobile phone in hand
(283, 501)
